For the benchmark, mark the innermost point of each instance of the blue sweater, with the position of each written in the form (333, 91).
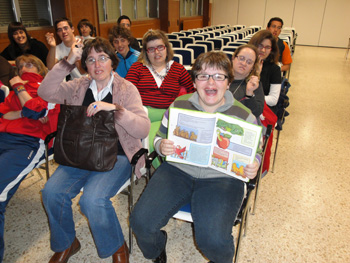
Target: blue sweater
(125, 63)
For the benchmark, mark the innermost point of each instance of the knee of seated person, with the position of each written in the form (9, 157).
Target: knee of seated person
(212, 243)
(89, 202)
(138, 224)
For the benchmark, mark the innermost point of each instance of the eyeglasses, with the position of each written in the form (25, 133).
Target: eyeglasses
(27, 65)
(65, 28)
(125, 24)
(275, 26)
(153, 49)
(101, 59)
(242, 59)
(206, 77)
(266, 47)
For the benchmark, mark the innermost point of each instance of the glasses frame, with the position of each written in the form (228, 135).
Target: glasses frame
(244, 59)
(153, 49)
(261, 46)
(101, 59)
(214, 77)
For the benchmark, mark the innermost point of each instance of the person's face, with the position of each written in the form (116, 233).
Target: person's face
(275, 28)
(20, 37)
(156, 57)
(211, 92)
(243, 63)
(85, 30)
(264, 48)
(125, 23)
(99, 66)
(27, 67)
(121, 45)
(65, 32)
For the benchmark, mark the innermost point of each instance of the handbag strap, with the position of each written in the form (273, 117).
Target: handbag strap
(61, 139)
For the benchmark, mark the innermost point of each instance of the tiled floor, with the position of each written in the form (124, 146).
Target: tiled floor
(303, 210)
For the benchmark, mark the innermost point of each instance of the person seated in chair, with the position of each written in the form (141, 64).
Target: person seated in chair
(102, 90)
(25, 121)
(215, 197)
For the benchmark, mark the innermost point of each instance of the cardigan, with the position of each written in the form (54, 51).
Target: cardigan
(163, 96)
(131, 122)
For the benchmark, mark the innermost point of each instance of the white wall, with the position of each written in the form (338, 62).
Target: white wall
(317, 22)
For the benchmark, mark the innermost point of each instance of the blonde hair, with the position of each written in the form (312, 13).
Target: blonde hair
(27, 58)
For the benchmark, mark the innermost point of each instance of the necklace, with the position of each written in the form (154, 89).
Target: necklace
(238, 87)
(162, 77)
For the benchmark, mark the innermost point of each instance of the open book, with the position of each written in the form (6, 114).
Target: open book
(214, 140)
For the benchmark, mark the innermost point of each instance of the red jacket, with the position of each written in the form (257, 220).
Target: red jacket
(32, 110)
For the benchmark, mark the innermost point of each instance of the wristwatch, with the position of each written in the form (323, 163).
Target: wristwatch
(250, 96)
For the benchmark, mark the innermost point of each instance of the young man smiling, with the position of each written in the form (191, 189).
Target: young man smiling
(65, 31)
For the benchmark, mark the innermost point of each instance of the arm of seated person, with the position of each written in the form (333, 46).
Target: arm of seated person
(251, 170)
(12, 115)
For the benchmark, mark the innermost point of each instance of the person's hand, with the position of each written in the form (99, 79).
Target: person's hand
(16, 80)
(50, 39)
(44, 120)
(260, 66)
(166, 147)
(250, 170)
(252, 85)
(76, 51)
(100, 105)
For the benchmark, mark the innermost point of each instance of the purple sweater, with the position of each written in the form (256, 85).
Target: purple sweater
(131, 123)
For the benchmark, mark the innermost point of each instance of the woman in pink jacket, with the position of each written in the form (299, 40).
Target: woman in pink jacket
(101, 90)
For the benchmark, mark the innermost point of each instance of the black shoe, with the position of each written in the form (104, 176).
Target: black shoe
(162, 257)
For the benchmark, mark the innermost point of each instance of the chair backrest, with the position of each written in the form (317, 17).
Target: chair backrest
(187, 55)
(198, 37)
(234, 44)
(178, 58)
(229, 49)
(172, 36)
(186, 40)
(225, 39)
(197, 49)
(210, 45)
(186, 32)
(175, 43)
(179, 34)
(218, 43)
(228, 54)
(140, 41)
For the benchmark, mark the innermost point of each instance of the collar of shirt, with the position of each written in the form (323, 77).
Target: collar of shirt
(98, 96)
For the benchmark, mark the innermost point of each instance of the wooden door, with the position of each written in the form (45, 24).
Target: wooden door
(174, 16)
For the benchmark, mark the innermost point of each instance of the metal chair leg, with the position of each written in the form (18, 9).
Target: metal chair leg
(275, 153)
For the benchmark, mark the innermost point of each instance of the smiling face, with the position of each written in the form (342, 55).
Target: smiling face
(20, 37)
(211, 93)
(65, 32)
(241, 69)
(121, 45)
(157, 58)
(99, 71)
(264, 48)
(85, 30)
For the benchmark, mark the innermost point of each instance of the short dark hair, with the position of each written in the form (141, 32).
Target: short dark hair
(12, 28)
(213, 59)
(62, 19)
(100, 45)
(259, 37)
(85, 22)
(123, 17)
(275, 19)
(119, 31)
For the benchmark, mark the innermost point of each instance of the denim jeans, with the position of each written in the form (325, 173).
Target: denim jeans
(95, 203)
(215, 203)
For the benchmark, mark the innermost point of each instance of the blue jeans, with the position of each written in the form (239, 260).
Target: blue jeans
(95, 203)
(19, 154)
(215, 203)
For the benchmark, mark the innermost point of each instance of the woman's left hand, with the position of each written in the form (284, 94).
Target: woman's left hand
(100, 105)
(16, 80)
(251, 170)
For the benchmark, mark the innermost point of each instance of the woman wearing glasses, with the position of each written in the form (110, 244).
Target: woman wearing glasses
(270, 75)
(102, 90)
(25, 121)
(246, 86)
(215, 197)
(157, 77)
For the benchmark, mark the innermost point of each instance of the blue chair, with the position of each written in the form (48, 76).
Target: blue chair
(171, 36)
(229, 49)
(218, 43)
(210, 45)
(197, 49)
(198, 37)
(178, 58)
(225, 39)
(175, 43)
(187, 55)
(186, 40)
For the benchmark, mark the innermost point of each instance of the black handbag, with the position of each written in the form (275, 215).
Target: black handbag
(89, 143)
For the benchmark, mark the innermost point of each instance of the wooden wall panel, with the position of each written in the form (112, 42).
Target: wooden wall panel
(193, 22)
